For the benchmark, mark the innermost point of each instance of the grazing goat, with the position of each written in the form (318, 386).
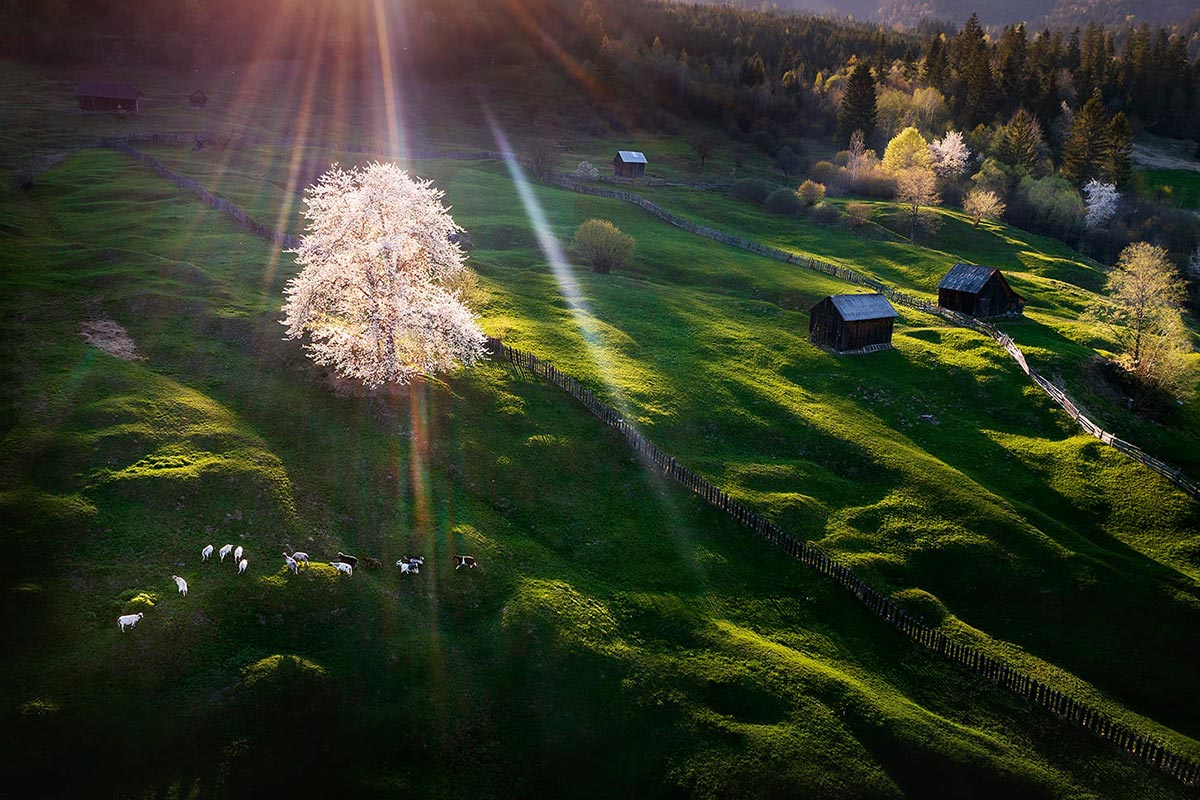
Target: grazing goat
(465, 561)
(410, 564)
(301, 557)
(292, 566)
(206, 552)
(343, 567)
(226, 550)
(372, 563)
(181, 583)
(237, 554)
(242, 566)
(345, 559)
(128, 620)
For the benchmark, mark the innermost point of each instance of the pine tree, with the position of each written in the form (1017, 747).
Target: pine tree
(1022, 144)
(936, 63)
(858, 105)
(1116, 157)
(972, 60)
(1085, 142)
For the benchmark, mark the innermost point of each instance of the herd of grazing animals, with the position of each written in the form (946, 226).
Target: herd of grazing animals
(344, 564)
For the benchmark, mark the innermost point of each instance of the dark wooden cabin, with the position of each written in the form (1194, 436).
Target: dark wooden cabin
(846, 322)
(197, 99)
(108, 96)
(629, 164)
(978, 291)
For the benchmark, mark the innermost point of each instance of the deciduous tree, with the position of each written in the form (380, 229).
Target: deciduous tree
(1101, 200)
(602, 245)
(916, 188)
(982, 204)
(379, 293)
(907, 151)
(1142, 311)
(950, 155)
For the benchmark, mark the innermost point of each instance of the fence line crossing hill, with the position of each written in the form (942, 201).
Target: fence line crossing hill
(1144, 748)
(991, 669)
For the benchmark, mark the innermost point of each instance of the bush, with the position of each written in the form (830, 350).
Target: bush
(823, 172)
(586, 171)
(858, 214)
(811, 192)
(602, 245)
(825, 213)
(753, 189)
(783, 201)
(874, 182)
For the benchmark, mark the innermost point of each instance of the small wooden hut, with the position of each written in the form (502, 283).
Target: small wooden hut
(629, 164)
(978, 291)
(197, 99)
(849, 322)
(108, 96)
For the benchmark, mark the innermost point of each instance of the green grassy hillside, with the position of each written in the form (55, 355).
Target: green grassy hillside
(622, 635)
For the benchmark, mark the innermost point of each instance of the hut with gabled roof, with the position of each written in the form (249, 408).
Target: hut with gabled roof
(108, 96)
(978, 291)
(629, 164)
(852, 322)
(197, 99)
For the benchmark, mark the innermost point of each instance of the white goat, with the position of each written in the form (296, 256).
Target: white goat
(226, 550)
(128, 620)
(298, 556)
(206, 552)
(292, 566)
(237, 554)
(343, 567)
(181, 583)
(242, 566)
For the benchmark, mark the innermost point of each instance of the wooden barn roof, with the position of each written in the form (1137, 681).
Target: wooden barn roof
(632, 157)
(967, 278)
(109, 89)
(854, 307)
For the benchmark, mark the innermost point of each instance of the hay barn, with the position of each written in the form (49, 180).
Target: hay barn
(849, 322)
(629, 164)
(108, 96)
(978, 291)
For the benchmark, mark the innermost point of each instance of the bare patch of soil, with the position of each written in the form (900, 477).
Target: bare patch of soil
(106, 335)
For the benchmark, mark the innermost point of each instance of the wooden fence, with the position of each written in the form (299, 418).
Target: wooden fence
(1144, 748)
(285, 240)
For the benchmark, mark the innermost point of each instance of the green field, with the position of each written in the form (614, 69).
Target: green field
(1178, 186)
(619, 635)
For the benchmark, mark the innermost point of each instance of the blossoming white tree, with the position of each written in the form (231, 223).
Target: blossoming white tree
(379, 293)
(950, 155)
(1102, 200)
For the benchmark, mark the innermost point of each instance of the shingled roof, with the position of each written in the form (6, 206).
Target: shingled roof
(967, 278)
(854, 307)
(632, 157)
(109, 89)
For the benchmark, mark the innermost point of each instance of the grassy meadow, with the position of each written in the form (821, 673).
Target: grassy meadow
(619, 637)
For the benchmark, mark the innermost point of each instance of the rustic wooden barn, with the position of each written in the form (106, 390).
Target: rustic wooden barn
(629, 164)
(108, 96)
(847, 322)
(198, 99)
(978, 291)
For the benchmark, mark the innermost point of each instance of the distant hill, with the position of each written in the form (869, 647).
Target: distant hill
(1060, 13)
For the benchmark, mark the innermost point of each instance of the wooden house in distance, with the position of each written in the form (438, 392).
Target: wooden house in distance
(108, 96)
(852, 322)
(629, 164)
(978, 291)
(197, 99)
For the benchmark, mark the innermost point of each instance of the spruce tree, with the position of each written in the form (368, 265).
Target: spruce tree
(1022, 143)
(1085, 142)
(858, 104)
(1118, 152)
(936, 63)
